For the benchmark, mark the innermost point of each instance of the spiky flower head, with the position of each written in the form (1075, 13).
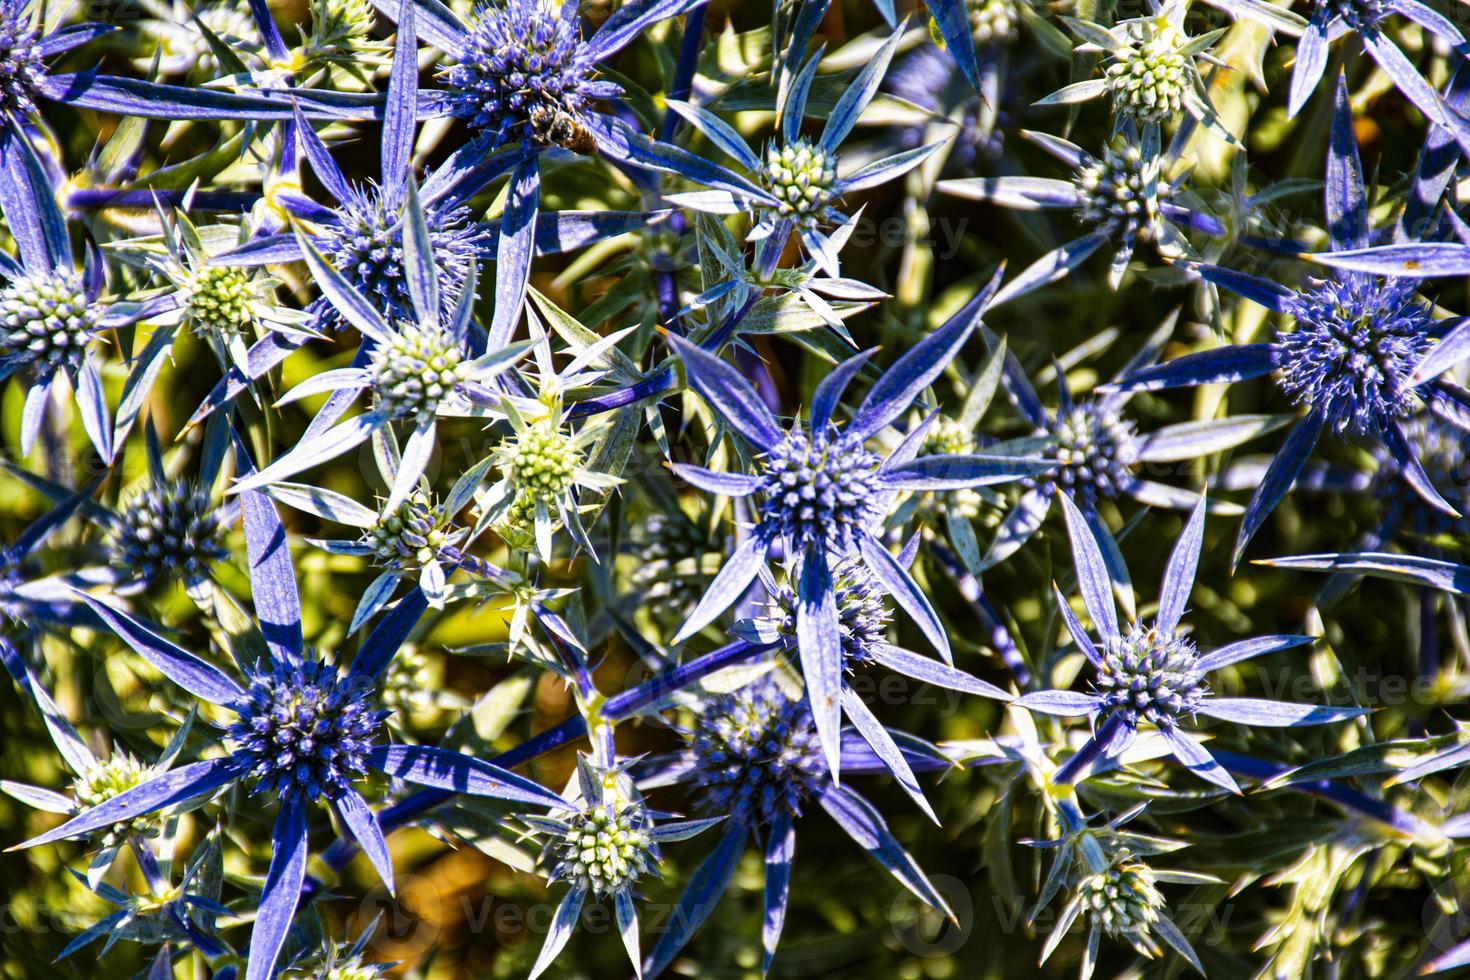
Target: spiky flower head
(170, 530)
(862, 614)
(366, 245)
(1353, 350)
(47, 321)
(755, 753)
(542, 461)
(1096, 451)
(120, 773)
(802, 176)
(1147, 80)
(416, 370)
(668, 576)
(412, 535)
(1359, 14)
(1150, 676)
(21, 64)
(993, 21)
(818, 488)
(1123, 900)
(604, 847)
(1123, 191)
(306, 729)
(220, 299)
(522, 61)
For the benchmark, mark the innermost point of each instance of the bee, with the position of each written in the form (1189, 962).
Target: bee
(553, 126)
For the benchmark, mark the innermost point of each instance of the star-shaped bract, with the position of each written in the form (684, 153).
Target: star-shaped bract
(1151, 673)
(304, 732)
(1352, 358)
(823, 495)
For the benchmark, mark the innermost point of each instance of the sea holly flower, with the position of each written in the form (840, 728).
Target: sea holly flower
(228, 307)
(416, 371)
(524, 80)
(793, 185)
(26, 81)
(1122, 901)
(1099, 449)
(366, 235)
(96, 780)
(304, 732)
(165, 528)
(823, 494)
(600, 846)
(754, 758)
(51, 311)
(417, 541)
(1351, 359)
(1125, 198)
(863, 620)
(550, 469)
(1151, 75)
(671, 553)
(1151, 674)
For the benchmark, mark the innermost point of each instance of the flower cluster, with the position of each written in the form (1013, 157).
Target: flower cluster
(563, 452)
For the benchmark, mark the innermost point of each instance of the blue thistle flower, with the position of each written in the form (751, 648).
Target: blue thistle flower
(755, 757)
(602, 845)
(50, 312)
(794, 183)
(523, 69)
(1152, 674)
(22, 64)
(523, 78)
(1356, 358)
(1098, 449)
(1125, 197)
(823, 494)
(304, 732)
(1352, 350)
(169, 531)
(755, 754)
(365, 243)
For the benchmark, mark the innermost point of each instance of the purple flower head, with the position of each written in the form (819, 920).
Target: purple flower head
(21, 65)
(366, 244)
(1352, 350)
(47, 321)
(524, 73)
(1360, 353)
(305, 729)
(1151, 674)
(823, 496)
(169, 530)
(756, 754)
(1096, 449)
